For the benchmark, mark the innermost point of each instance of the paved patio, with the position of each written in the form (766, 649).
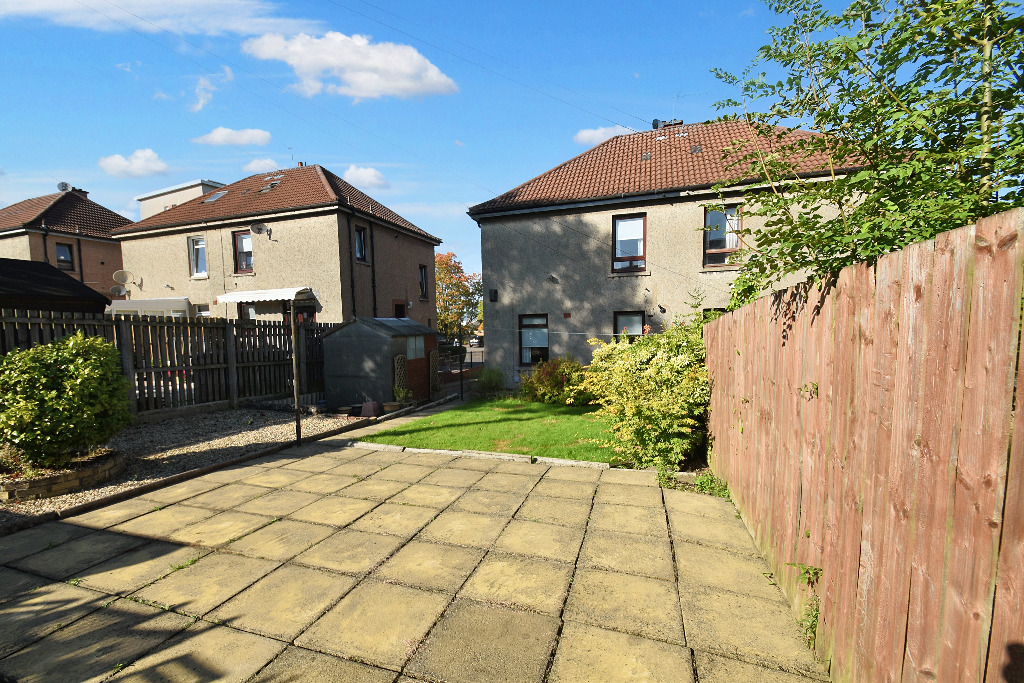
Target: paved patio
(339, 563)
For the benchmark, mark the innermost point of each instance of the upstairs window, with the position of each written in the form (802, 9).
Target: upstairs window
(243, 251)
(629, 323)
(423, 282)
(721, 238)
(533, 339)
(65, 259)
(197, 256)
(629, 235)
(361, 244)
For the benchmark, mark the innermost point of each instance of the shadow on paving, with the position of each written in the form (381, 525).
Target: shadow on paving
(339, 563)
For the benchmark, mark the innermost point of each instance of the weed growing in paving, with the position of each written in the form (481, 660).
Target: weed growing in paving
(188, 563)
(707, 483)
(809, 621)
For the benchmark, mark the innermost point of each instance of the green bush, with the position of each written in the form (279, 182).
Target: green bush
(654, 392)
(491, 381)
(557, 381)
(59, 400)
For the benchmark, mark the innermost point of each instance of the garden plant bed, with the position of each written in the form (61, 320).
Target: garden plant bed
(47, 483)
(508, 425)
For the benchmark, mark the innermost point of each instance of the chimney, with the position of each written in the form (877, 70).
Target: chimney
(80, 192)
(301, 164)
(658, 123)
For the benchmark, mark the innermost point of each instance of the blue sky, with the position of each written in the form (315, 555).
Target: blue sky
(427, 107)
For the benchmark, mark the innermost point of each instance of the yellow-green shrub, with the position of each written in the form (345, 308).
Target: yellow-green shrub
(61, 399)
(557, 381)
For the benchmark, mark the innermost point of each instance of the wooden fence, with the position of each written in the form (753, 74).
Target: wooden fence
(174, 363)
(868, 433)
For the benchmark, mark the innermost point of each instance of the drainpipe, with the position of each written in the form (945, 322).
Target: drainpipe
(46, 256)
(81, 263)
(373, 270)
(351, 264)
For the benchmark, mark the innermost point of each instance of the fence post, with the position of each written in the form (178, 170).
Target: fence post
(124, 341)
(229, 342)
(303, 352)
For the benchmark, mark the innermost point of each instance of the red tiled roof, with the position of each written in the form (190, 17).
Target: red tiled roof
(670, 158)
(293, 188)
(62, 212)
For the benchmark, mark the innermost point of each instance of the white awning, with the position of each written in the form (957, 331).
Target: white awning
(283, 294)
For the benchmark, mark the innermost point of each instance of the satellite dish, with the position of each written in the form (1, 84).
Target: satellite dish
(123, 277)
(63, 187)
(118, 290)
(258, 228)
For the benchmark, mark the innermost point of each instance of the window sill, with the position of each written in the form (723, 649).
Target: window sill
(204, 276)
(424, 298)
(243, 274)
(632, 273)
(728, 267)
(362, 263)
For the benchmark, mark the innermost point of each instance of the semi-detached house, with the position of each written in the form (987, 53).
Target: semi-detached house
(616, 239)
(247, 249)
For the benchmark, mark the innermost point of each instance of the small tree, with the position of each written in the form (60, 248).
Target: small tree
(458, 296)
(925, 101)
(60, 400)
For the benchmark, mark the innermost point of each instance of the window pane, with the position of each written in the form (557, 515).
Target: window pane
(632, 323)
(534, 320)
(722, 229)
(198, 256)
(361, 245)
(243, 250)
(629, 237)
(535, 336)
(64, 259)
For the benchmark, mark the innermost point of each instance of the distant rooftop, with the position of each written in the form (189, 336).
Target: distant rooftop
(176, 188)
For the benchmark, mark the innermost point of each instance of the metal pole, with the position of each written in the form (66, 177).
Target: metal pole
(295, 375)
(461, 390)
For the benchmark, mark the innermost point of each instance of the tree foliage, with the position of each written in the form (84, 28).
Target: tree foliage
(924, 99)
(458, 296)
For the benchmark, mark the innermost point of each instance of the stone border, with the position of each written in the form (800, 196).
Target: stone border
(490, 455)
(107, 467)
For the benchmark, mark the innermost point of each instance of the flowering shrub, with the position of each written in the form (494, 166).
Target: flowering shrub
(654, 392)
(559, 380)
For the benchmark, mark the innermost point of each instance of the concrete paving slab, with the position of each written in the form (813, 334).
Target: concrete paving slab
(630, 477)
(230, 475)
(383, 459)
(281, 540)
(587, 653)
(110, 515)
(395, 520)
(68, 560)
(700, 567)
(622, 602)
(562, 511)
(432, 460)
(31, 541)
(627, 494)
(136, 568)
(699, 504)
(524, 582)
(334, 510)
(715, 533)
(163, 522)
(378, 623)
(558, 488)
(220, 529)
(43, 610)
(313, 463)
(320, 668)
(355, 468)
(280, 503)
(453, 477)
(283, 603)
(212, 580)
(91, 648)
(276, 478)
(428, 495)
(501, 481)
(525, 468)
(628, 554)
(179, 492)
(351, 552)
(324, 483)
(409, 474)
(476, 464)
(551, 541)
(14, 584)
(227, 496)
(474, 643)
(585, 474)
(495, 503)
(332, 449)
(204, 652)
(747, 628)
(430, 566)
(464, 528)
(275, 459)
(375, 489)
(629, 519)
(715, 669)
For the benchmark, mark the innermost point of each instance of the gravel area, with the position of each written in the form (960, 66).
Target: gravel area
(155, 450)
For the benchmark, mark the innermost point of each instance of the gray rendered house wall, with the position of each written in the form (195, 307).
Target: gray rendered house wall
(358, 366)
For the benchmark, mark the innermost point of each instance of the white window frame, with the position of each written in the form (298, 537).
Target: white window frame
(193, 243)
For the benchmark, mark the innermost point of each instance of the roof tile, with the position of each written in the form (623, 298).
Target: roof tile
(67, 212)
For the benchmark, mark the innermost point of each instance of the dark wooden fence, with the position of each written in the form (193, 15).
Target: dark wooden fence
(175, 363)
(868, 433)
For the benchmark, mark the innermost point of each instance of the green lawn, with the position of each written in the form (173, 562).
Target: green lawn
(507, 426)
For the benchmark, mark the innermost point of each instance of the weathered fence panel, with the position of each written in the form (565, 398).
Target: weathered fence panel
(175, 363)
(867, 430)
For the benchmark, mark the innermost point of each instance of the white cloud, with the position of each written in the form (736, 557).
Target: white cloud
(460, 143)
(3, 172)
(227, 136)
(594, 136)
(126, 66)
(364, 177)
(196, 17)
(161, 95)
(260, 166)
(204, 93)
(352, 65)
(142, 163)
